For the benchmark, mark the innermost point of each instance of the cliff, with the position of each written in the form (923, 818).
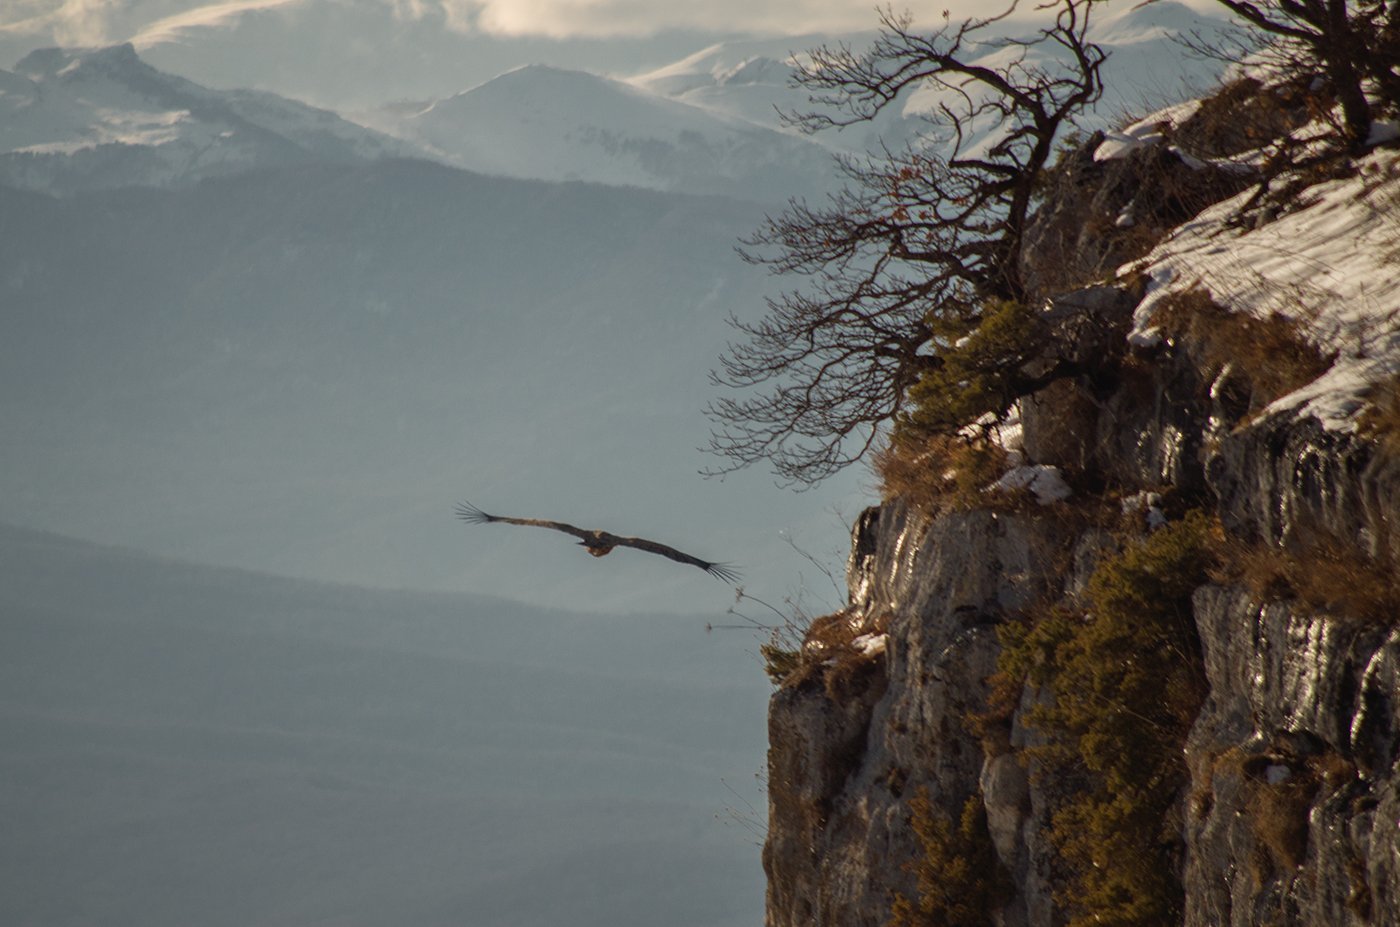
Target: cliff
(1173, 697)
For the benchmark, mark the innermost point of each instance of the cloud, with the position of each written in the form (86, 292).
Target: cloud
(563, 19)
(151, 22)
(86, 23)
(70, 22)
(173, 28)
(599, 18)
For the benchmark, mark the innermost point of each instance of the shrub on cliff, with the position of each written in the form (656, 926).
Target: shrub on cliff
(935, 472)
(961, 881)
(1126, 680)
(982, 373)
(1325, 574)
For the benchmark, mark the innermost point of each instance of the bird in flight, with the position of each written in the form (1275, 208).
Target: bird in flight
(600, 543)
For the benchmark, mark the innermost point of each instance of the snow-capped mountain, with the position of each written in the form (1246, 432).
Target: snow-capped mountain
(546, 123)
(750, 79)
(341, 55)
(1147, 66)
(87, 119)
(707, 123)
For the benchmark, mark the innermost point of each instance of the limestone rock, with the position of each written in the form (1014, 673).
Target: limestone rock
(1292, 816)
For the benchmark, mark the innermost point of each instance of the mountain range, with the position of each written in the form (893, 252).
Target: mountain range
(709, 123)
(553, 124)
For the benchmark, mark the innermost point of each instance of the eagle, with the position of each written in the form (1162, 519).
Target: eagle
(600, 543)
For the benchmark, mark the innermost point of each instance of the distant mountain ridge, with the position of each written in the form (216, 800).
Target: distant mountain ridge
(81, 119)
(712, 122)
(1146, 68)
(548, 123)
(88, 119)
(709, 123)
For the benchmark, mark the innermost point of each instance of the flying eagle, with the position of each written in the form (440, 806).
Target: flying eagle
(600, 543)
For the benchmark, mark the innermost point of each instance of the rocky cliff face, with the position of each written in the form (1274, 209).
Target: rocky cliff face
(845, 760)
(1289, 811)
(1292, 815)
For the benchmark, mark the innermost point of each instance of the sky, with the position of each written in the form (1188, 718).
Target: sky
(354, 55)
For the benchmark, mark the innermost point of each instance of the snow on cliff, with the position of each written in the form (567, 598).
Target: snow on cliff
(1333, 264)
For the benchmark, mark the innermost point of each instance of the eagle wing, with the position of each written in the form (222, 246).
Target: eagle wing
(724, 571)
(470, 513)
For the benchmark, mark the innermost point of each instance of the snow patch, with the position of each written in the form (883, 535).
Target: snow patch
(1044, 482)
(552, 124)
(1148, 503)
(1152, 129)
(60, 102)
(871, 644)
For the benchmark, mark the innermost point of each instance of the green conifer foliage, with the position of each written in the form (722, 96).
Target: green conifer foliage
(981, 371)
(1126, 680)
(961, 881)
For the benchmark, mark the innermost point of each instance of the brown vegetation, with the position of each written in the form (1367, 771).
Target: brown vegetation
(1243, 116)
(1380, 422)
(1266, 358)
(961, 881)
(1279, 791)
(828, 650)
(1325, 574)
(939, 473)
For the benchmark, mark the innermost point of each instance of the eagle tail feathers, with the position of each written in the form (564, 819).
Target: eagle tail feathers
(724, 571)
(470, 513)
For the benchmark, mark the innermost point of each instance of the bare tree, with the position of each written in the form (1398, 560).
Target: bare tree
(899, 266)
(1354, 45)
